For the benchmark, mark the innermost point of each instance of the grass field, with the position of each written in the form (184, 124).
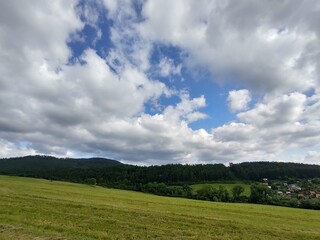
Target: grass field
(40, 209)
(227, 186)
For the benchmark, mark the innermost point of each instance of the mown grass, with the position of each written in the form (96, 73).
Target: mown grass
(227, 186)
(40, 209)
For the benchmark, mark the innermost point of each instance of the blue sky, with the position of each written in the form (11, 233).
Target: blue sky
(156, 82)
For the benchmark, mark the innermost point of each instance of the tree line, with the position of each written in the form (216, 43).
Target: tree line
(110, 171)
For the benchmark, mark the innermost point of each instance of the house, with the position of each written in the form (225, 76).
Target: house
(301, 195)
(294, 187)
(317, 195)
(312, 193)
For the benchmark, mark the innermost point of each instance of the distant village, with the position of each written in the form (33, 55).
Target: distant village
(301, 189)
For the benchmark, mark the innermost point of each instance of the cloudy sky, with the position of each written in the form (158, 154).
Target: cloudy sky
(161, 81)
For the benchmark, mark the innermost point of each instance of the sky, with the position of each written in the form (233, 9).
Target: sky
(152, 82)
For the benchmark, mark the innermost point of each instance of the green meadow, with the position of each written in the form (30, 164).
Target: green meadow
(227, 186)
(41, 209)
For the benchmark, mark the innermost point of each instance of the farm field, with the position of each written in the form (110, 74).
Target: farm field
(41, 209)
(227, 186)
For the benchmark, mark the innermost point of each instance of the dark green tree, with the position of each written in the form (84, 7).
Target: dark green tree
(236, 192)
(261, 194)
(207, 192)
(223, 194)
(187, 190)
(91, 181)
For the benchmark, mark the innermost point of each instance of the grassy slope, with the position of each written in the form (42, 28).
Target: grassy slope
(40, 209)
(228, 186)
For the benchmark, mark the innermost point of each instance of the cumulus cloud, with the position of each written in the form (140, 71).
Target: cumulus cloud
(9, 149)
(312, 157)
(167, 67)
(27, 28)
(286, 109)
(238, 100)
(98, 106)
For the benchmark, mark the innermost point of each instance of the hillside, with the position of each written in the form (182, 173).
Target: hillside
(212, 182)
(108, 171)
(33, 164)
(43, 209)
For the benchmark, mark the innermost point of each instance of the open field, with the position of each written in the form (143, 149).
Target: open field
(40, 209)
(227, 186)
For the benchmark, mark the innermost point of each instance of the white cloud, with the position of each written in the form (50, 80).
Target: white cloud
(179, 26)
(95, 86)
(237, 132)
(89, 12)
(129, 46)
(286, 109)
(238, 100)
(312, 157)
(167, 67)
(26, 28)
(186, 110)
(9, 149)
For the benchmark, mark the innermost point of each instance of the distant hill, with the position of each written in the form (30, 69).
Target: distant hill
(112, 172)
(46, 163)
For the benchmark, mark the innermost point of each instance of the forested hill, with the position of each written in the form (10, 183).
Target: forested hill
(274, 170)
(107, 171)
(30, 164)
